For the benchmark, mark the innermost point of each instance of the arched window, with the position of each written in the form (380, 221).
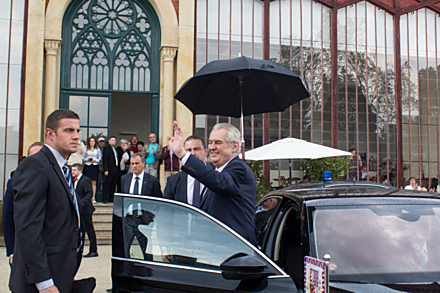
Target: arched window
(108, 46)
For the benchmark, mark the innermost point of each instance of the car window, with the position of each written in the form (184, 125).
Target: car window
(263, 213)
(167, 232)
(378, 239)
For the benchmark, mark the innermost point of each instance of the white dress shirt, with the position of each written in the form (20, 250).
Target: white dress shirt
(190, 189)
(140, 182)
(77, 180)
(95, 155)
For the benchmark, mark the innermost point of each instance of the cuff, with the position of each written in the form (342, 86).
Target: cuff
(44, 285)
(185, 158)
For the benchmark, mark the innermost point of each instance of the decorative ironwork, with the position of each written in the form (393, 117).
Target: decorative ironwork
(111, 46)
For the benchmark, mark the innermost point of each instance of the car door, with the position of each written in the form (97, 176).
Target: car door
(160, 245)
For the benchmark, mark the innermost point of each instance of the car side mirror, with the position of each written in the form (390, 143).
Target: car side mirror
(242, 266)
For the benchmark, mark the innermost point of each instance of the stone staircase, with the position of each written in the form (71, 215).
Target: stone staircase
(102, 221)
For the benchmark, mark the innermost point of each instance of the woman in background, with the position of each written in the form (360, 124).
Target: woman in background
(92, 157)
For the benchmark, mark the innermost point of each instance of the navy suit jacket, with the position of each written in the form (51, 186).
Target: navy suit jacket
(46, 225)
(176, 187)
(8, 218)
(150, 185)
(231, 194)
(84, 192)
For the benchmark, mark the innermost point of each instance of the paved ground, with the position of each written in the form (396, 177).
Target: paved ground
(98, 267)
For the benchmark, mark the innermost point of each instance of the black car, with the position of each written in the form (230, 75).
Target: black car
(380, 240)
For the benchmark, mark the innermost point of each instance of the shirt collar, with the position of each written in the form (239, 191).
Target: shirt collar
(141, 177)
(60, 159)
(224, 166)
(79, 177)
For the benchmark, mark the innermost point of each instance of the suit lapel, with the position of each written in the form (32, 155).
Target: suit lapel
(144, 185)
(58, 171)
(127, 184)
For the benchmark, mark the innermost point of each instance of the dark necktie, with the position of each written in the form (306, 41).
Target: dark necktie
(66, 172)
(196, 193)
(136, 186)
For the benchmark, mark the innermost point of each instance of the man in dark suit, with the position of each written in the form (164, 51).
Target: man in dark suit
(140, 182)
(84, 191)
(8, 206)
(232, 188)
(180, 186)
(48, 238)
(111, 166)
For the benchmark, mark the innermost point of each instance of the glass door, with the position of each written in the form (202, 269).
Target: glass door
(94, 114)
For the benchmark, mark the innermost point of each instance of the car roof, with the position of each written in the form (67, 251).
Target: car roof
(337, 183)
(312, 192)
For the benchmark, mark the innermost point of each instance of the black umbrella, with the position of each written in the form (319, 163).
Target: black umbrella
(241, 86)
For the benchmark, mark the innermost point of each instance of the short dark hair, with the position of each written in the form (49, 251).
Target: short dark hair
(112, 137)
(78, 166)
(138, 155)
(141, 143)
(53, 120)
(37, 143)
(195, 137)
(134, 136)
(411, 178)
(308, 177)
(352, 148)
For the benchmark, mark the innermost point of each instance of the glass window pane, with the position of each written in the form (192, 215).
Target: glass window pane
(98, 132)
(79, 104)
(154, 230)
(98, 111)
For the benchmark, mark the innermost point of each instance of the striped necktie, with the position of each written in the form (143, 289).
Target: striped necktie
(69, 180)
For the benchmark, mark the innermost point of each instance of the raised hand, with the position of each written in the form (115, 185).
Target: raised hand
(176, 142)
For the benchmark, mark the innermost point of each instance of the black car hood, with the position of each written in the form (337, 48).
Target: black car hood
(346, 287)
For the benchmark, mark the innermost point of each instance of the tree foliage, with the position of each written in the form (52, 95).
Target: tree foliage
(337, 165)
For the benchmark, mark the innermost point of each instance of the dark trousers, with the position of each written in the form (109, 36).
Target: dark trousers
(131, 230)
(118, 184)
(109, 187)
(90, 230)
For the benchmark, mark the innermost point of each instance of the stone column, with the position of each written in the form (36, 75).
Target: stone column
(168, 92)
(50, 76)
(168, 54)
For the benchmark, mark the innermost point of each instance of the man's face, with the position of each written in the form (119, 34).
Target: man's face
(33, 150)
(219, 149)
(75, 172)
(195, 147)
(101, 143)
(137, 166)
(123, 145)
(412, 182)
(65, 139)
(134, 140)
(152, 138)
(112, 141)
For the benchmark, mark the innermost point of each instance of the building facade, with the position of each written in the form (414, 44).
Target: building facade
(371, 68)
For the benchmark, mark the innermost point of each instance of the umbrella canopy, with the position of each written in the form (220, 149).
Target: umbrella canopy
(241, 86)
(293, 148)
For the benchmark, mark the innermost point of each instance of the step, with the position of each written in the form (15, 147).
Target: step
(107, 223)
(103, 207)
(102, 216)
(107, 240)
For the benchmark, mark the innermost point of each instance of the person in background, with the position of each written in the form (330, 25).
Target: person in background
(134, 142)
(129, 148)
(8, 206)
(111, 169)
(139, 147)
(413, 184)
(170, 161)
(355, 163)
(77, 158)
(100, 185)
(83, 189)
(152, 154)
(183, 187)
(364, 174)
(120, 150)
(307, 178)
(92, 157)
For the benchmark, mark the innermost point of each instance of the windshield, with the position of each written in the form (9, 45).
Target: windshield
(381, 240)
